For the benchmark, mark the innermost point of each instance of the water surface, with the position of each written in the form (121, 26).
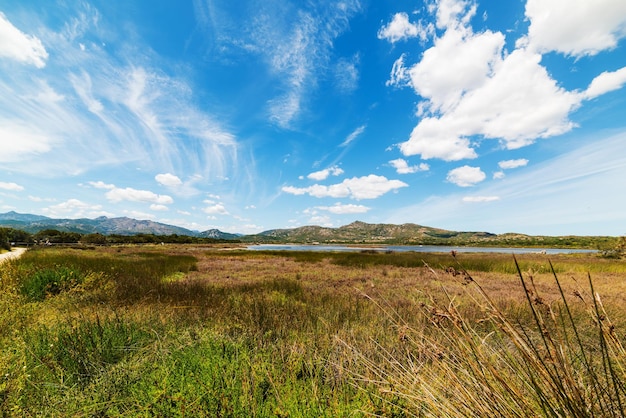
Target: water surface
(416, 248)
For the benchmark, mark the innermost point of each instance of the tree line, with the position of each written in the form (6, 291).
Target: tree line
(11, 236)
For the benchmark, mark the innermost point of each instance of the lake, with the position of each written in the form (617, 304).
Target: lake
(416, 248)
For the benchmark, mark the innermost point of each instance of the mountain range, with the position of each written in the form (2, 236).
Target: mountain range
(103, 225)
(355, 232)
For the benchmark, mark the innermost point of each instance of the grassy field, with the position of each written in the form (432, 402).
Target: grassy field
(210, 331)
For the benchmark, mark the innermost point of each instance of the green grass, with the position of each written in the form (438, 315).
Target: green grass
(186, 331)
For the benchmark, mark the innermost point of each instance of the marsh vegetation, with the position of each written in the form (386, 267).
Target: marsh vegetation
(216, 331)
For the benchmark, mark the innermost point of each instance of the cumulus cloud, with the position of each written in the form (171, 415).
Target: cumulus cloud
(466, 176)
(117, 195)
(473, 89)
(214, 208)
(575, 27)
(402, 166)
(14, 187)
(169, 180)
(480, 199)
(74, 208)
(21, 47)
(367, 187)
(508, 164)
(323, 174)
(606, 82)
(156, 207)
(343, 209)
(401, 29)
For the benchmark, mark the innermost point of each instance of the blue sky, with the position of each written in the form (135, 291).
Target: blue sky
(499, 116)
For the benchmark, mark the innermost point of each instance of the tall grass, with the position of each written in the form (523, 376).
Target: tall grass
(175, 331)
(548, 363)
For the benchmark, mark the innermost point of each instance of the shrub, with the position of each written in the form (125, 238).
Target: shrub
(50, 281)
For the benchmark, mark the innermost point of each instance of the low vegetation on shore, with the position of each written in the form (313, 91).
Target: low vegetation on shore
(216, 331)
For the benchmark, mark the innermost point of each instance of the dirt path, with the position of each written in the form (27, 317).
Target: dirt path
(17, 252)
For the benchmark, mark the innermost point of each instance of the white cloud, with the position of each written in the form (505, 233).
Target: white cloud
(40, 199)
(215, 209)
(342, 209)
(17, 45)
(321, 220)
(606, 82)
(139, 215)
(101, 185)
(473, 88)
(353, 135)
(575, 27)
(466, 176)
(499, 175)
(294, 39)
(20, 141)
(323, 174)
(347, 74)
(367, 187)
(117, 195)
(83, 86)
(113, 106)
(452, 13)
(401, 29)
(508, 164)
(577, 193)
(74, 208)
(480, 199)
(11, 186)
(399, 76)
(402, 166)
(158, 207)
(169, 180)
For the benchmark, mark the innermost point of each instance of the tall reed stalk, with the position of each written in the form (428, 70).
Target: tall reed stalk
(559, 359)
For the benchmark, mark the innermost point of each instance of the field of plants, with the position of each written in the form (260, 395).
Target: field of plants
(192, 330)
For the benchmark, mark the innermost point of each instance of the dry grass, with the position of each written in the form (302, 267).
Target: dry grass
(300, 334)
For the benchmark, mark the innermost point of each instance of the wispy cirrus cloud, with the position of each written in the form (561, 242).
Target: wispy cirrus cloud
(19, 46)
(344, 209)
(353, 135)
(480, 199)
(102, 101)
(528, 197)
(294, 40)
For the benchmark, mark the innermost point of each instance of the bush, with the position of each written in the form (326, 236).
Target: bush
(50, 281)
